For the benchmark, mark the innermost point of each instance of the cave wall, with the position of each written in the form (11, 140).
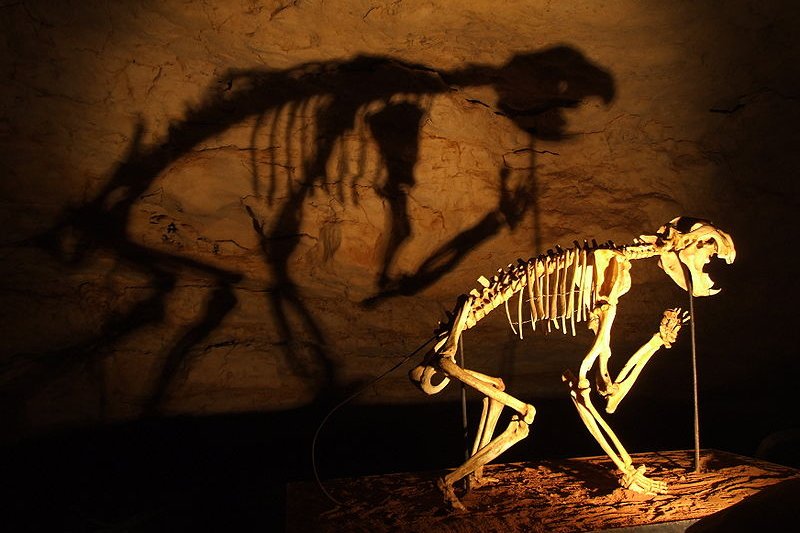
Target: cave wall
(215, 207)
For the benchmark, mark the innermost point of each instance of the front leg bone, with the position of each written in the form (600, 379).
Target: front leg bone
(667, 334)
(632, 478)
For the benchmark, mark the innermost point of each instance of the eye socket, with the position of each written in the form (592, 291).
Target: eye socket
(707, 242)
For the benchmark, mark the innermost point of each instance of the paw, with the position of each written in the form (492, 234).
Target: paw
(449, 494)
(635, 480)
(671, 324)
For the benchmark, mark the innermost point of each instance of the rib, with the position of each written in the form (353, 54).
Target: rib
(547, 289)
(582, 287)
(529, 282)
(505, 304)
(571, 303)
(519, 313)
(562, 297)
(538, 287)
(554, 301)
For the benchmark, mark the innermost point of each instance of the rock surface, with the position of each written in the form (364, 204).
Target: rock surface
(233, 206)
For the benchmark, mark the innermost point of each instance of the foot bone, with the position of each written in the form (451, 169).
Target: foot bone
(636, 481)
(449, 494)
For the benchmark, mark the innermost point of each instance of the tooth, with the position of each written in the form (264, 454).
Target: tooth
(483, 281)
(712, 292)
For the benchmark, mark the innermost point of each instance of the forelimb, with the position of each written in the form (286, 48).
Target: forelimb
(668, 332)
(602, 320)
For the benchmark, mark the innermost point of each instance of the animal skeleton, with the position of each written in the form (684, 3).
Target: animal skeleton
(562, 287)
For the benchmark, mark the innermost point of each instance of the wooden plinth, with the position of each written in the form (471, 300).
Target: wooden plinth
(565, 495)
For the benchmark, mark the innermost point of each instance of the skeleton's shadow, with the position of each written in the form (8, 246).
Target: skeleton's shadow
(391, 97)
(533, 89)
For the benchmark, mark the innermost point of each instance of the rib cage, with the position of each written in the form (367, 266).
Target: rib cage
(553, 289)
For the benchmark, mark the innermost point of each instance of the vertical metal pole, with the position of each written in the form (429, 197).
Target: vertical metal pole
(463, 400)
(694, 384)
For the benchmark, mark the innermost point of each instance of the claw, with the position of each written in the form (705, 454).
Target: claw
(671, 324)
(636, 481)
(450, 495)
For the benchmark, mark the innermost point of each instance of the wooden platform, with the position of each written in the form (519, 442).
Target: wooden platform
(555, 496)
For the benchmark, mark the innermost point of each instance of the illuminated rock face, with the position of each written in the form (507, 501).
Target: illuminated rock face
(243, 207)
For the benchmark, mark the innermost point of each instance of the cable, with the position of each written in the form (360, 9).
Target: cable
(344, 402)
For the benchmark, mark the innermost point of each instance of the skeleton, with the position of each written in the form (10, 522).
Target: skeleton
(562, 288)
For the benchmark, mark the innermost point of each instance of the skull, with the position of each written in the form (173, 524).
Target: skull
(687, 246)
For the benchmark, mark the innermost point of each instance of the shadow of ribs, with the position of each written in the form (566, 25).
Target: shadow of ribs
(557, 290)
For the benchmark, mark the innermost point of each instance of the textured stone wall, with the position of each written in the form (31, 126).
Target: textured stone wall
(235, 206)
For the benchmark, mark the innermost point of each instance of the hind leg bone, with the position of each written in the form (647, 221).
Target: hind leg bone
(516, 430)
(489, 416)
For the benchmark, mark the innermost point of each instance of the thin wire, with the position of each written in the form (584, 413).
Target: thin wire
(344, 402)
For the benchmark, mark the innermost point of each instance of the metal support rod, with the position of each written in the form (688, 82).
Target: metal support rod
(694, 384)
(464, 421)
